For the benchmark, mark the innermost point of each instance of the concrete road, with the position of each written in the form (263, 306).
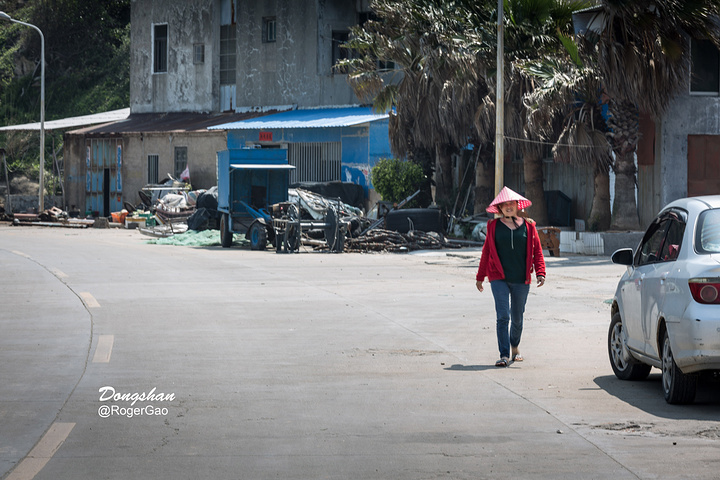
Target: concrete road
(120, 359)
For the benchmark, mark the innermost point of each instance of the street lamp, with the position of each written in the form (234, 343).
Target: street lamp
(41, 200)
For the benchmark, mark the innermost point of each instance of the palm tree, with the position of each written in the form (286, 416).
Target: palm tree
(531, 33)
(569, 92)
(642, 57)
(433, 110)
(446, 53)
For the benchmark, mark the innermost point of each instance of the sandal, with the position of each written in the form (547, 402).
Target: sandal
(503, 362)
(517, 357)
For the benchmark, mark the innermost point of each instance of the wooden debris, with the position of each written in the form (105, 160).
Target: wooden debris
(380, 240)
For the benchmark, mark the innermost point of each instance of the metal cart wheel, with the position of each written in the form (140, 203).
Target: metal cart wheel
(226, 236)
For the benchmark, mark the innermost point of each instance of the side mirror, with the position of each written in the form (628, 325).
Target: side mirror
(624, 256)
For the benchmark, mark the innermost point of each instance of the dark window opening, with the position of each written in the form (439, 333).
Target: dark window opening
(269, 30)
(339, 52)
(258, 196)
(180, 161)
(198, 53)
(153, 166)
(160, 47)
(705, 67)
(364, 17)
(106, 193)
(228, 55)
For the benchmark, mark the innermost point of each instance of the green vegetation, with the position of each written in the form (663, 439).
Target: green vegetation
(556, 84)
(396, 179)
(87, 69)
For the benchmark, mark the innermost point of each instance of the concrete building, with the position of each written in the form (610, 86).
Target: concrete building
(678, 156)
(200, 64)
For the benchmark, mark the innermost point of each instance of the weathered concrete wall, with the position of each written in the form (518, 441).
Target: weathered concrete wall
(186, 87)
(201, 148)
(296, 69)
(687, 115)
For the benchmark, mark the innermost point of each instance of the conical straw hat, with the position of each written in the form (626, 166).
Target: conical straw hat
(507, 195)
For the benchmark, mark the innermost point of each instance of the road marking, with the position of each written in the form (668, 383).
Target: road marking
(58, 273)
(103, 350)
(89, 300)
(42, 453)
(20, 253)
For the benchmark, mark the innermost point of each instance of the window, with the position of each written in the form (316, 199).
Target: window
(198, 53)
(649, 251)
(662, 240)
(269, 29)
(705, 68)
(180, 161)
(315, 162)
(708, 238)
(152, 168)
(160, 47)
(369, 16)
(673, 240)
(338, 52)
(228, 56)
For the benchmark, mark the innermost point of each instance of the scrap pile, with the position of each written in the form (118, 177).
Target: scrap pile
(381, 240)
(167, 209)
(52, 217)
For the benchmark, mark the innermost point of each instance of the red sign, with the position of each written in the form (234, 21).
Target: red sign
(266, 136)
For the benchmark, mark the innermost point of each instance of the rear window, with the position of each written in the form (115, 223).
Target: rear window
(708, 232)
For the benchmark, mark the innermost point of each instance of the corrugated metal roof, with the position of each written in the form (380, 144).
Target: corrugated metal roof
(72, 122)
(314, 118)
(170, 122)
(262, 166)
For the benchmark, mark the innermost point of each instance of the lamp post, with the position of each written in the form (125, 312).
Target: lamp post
(41, 199)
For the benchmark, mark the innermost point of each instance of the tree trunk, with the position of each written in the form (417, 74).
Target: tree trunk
(624, 135)
(426, 160)
(443, 177)
(599, 218)
(484, 184)
(624, 212)
(532, 169)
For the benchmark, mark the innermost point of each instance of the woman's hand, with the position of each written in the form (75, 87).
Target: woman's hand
(540, 281)
(479, 286)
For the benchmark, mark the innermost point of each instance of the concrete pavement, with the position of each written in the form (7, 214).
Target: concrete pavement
(351, 366)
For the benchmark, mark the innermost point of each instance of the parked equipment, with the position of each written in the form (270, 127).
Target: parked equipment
(253, 200)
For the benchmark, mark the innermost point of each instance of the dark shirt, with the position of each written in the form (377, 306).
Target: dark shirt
(512, 250)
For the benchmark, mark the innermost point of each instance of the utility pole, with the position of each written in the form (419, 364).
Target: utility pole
(500, 103)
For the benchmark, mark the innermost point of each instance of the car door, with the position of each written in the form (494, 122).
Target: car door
(633, 304)
(658, 283)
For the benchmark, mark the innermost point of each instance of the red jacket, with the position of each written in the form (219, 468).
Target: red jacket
(490, 265)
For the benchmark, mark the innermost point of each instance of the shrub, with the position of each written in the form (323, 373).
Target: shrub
(396, 179)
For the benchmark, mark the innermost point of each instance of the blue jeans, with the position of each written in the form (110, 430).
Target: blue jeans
(510, 301)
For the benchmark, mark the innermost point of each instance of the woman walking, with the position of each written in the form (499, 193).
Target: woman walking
(511, 252)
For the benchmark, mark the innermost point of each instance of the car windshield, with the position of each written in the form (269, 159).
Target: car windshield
(708, 233)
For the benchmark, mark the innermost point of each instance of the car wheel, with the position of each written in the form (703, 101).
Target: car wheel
(226, 236)
(623, 364)
(678, 387)
(258, 236)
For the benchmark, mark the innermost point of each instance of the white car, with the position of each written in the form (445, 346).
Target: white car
(666, 310)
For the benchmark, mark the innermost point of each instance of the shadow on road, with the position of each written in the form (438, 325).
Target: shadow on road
(647, 395)
(471, 368)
